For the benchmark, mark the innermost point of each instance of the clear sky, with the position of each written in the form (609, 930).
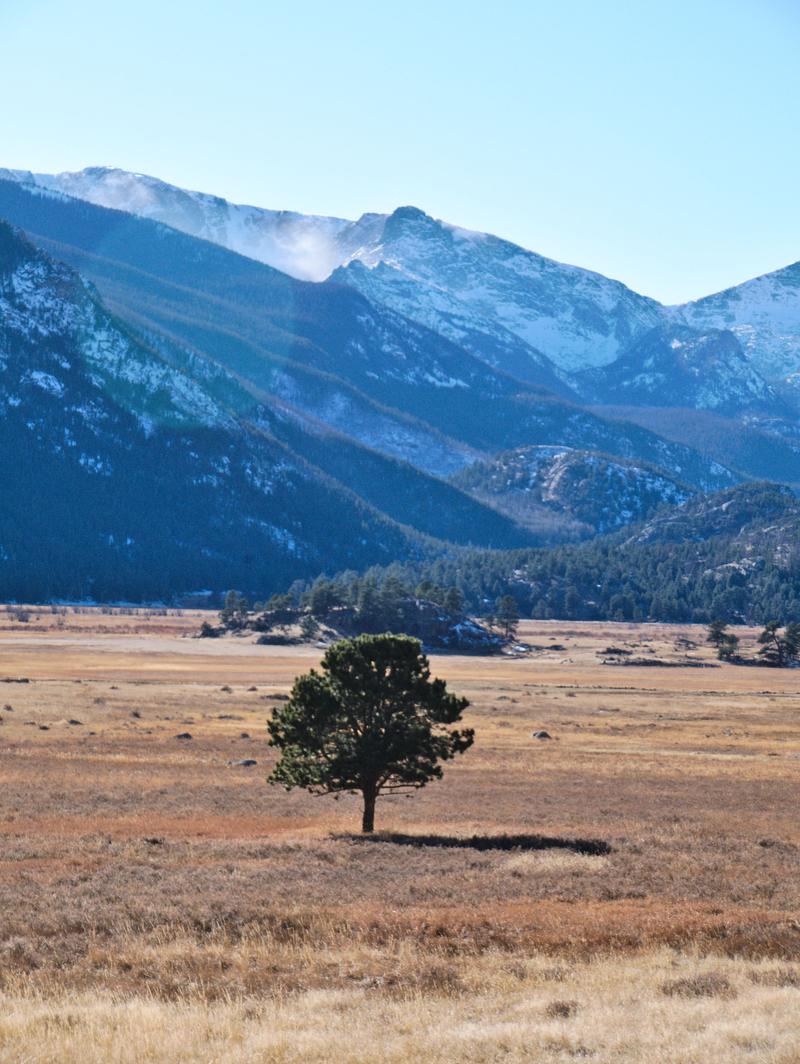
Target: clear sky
(656, 142)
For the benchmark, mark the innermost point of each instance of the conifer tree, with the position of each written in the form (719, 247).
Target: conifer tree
(372, 722)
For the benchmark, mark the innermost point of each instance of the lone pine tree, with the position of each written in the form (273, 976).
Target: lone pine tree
(506, 612)
(726, 642)
(372, 722)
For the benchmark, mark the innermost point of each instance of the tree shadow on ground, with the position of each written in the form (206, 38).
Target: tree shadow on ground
(592, 847)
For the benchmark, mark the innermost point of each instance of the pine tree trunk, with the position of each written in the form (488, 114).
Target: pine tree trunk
(368, 819)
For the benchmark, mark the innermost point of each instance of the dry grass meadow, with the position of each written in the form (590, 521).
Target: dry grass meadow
(160, 903)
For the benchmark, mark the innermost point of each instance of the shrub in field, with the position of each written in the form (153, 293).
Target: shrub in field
(561, 1010)
(726, 642)
(709, 984)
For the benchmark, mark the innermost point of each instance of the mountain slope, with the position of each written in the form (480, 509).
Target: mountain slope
(754, 447)
(751, 514)
(764, 314)
(399, 490)
(733, 555)
(129, 479)
(674, 365)
(323, 348)
(576, 493)
(462, 282)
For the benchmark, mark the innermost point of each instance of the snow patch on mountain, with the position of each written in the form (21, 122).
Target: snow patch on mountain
(764, 314)
(48, 304)
(486, 293)
(675, 365)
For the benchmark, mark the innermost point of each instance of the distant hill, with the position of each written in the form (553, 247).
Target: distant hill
(734, 555)
(755, 448)
(568, 493)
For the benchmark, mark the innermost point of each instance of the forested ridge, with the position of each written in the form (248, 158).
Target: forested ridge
(734, 556)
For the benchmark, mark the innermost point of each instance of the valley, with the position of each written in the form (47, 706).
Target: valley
(399, 533)
(648, 899)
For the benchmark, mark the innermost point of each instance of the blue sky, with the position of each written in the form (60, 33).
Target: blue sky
(654, 142)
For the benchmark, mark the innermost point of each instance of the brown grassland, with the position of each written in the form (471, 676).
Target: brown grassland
(159, 903)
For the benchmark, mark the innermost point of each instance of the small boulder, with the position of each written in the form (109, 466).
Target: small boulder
(542, 734)
(244, 735)
(184, 735)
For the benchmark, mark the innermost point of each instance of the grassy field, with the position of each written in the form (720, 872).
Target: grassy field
(159, 902)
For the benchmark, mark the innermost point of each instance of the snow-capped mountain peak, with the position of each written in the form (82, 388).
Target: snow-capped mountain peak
(304, 246)
(519, 310)
(764, 314)
(463, 282)
(539, 320)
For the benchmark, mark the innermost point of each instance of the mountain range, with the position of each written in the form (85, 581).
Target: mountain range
(457, 279)
(324, 394)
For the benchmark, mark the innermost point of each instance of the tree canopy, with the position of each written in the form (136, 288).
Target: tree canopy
(780, 648)
(726, 642)
(371, 722)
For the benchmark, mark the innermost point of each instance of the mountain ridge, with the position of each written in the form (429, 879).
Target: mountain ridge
(294, 340)
(564, 319)
(396, 395)
(105, 428)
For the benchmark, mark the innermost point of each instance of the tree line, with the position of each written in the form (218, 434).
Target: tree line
(779, 645)
(430, 612)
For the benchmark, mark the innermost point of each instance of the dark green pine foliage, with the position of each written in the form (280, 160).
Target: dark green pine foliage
(372, 722)
(726, 642)
(733, 556)
(780, 649)
(506, 614)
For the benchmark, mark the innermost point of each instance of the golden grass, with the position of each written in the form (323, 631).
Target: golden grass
(617, 1009)
(160, 904)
